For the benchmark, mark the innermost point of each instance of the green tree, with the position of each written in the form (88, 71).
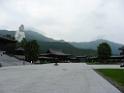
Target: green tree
(31, 51)
(23, 43)
(104, 52)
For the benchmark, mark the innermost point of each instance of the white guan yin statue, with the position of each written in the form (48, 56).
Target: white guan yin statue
(20, 34)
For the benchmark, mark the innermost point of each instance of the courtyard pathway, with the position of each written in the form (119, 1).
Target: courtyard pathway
(65, 78)
(106, 66)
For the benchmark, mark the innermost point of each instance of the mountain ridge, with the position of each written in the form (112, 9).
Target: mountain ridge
(70, 47)
(46, 43)
(94, 44)
(37, 36)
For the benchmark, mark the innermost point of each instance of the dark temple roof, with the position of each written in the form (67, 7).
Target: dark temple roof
(55, 52)
(5, 39)
(20, 49)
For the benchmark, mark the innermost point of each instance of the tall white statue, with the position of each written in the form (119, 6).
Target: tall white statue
(20, 34)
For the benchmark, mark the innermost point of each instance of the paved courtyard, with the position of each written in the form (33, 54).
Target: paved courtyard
(65, 78)
(106, 66)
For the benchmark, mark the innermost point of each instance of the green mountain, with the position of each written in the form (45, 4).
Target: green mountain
(93, 45)
(6, 32)
(65, 47)
(32, 35)
(47, 43)
(75, 48)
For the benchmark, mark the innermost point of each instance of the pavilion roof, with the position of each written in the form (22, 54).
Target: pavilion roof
(20, 49)
(55, 52)
(7, 39)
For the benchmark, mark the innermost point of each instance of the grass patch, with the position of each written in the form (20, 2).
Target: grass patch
(115, 76)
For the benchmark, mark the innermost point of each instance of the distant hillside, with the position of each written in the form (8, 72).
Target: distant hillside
(46, 43)
(65, 47)
(81, 48)
(94, 44)
(32, 35)
(5, 32)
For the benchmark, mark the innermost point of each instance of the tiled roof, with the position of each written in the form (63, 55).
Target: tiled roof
(55, 52)
(7, 39)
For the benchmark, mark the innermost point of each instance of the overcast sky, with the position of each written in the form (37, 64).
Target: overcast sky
(71, 20)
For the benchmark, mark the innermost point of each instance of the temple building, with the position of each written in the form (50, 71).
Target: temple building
(122, 51)
(6, 43)
(19, 51)
(55, 55)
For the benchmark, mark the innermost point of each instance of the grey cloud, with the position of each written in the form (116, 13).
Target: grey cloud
(71, 20)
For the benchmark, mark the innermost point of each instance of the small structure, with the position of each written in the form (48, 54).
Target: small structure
(6, 43)
(122, 51)
(19, 51)
(112, 59)
(54, 55)
(81, 58)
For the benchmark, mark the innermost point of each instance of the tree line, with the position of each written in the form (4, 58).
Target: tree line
(32, 51)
